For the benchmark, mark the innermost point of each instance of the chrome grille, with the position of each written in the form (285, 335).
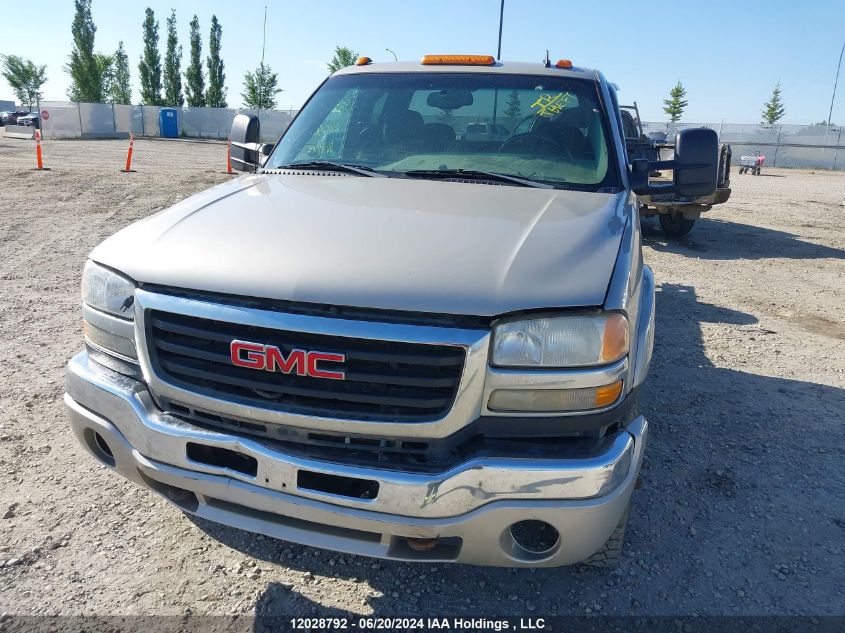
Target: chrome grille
(384, 380)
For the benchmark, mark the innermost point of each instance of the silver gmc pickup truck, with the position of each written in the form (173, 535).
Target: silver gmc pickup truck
(390, 338)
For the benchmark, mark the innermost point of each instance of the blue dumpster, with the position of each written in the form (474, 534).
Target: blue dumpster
(168, 122)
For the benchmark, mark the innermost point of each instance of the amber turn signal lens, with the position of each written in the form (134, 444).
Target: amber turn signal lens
(608, 394)
(459, 60)
(614, 343)
(554, 400)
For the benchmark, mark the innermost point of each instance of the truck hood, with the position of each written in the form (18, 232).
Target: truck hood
(419, 245)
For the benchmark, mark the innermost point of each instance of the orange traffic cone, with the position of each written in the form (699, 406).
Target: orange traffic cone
(38, 158)
(128, 168)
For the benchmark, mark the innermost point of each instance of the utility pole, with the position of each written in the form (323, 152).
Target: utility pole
(833, 96)
(261, 85)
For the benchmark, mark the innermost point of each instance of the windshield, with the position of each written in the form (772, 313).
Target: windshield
(543, 128)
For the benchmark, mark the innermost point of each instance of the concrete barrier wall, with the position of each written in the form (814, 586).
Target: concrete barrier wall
(104, 120)
(19, 131)
(128, 118)
(63, 119)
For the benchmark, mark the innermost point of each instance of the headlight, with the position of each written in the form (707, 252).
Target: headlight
(108, 317)
(566, 341)
(107, 291)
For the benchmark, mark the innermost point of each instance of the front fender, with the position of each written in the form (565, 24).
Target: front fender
(644, 344)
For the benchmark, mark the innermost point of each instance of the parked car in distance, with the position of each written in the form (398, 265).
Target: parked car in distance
(30, 120)
(485, 132)
(11, 118)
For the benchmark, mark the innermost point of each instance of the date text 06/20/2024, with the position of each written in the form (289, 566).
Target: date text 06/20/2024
(413, 623)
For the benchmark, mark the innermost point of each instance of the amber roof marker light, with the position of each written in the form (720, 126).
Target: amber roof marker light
(458, 60)
(564, 63)
(363, 61)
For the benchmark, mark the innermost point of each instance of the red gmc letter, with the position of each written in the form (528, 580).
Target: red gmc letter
(295, 360)
(314, 357)
(254, 354)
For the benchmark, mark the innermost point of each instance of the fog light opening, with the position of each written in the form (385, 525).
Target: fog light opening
(532, 540)
(103, 445)
(422, 544)
(99, 447)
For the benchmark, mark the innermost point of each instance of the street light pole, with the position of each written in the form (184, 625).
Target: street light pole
(396, 59)
(833, 96)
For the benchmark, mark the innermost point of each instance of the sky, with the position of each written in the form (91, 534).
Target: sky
(728, 54)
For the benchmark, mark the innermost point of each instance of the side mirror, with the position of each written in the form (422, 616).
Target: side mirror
(638, 178)
(264, 152)
(695, 166)
(696, 162)
(245, 147)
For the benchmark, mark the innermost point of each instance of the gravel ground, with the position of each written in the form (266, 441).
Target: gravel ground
(742, 507)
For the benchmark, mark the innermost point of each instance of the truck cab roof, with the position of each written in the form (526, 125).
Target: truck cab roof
(500, 67)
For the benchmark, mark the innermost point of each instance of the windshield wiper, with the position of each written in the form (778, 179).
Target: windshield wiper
(477, 175)
(328, 165)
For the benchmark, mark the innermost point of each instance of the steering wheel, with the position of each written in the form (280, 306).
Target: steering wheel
(528, 140)
(384, 138)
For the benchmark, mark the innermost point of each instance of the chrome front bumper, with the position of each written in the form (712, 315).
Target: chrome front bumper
(469, 508)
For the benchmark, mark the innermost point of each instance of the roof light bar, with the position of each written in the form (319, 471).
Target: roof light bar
(458, 60)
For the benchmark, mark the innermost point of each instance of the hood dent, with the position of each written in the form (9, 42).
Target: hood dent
(526, 232)
(244, 185)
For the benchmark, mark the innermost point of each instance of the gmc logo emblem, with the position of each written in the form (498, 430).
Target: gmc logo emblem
(271, 358)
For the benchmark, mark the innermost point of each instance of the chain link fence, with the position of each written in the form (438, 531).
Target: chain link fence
(808, 146)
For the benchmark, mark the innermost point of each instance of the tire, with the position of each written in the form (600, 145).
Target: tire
(611, 552)
(675, 224)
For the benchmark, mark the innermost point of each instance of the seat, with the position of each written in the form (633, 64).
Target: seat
(439, 137)
(406, 126)
(567, 135)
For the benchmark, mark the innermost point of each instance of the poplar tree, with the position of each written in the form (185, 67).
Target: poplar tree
(172, 66)
(150, 66)
(121, 89)
(88, 70)
(194, 77)
(215, 96)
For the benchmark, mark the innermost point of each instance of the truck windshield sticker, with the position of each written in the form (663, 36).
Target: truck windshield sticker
(550, 105)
